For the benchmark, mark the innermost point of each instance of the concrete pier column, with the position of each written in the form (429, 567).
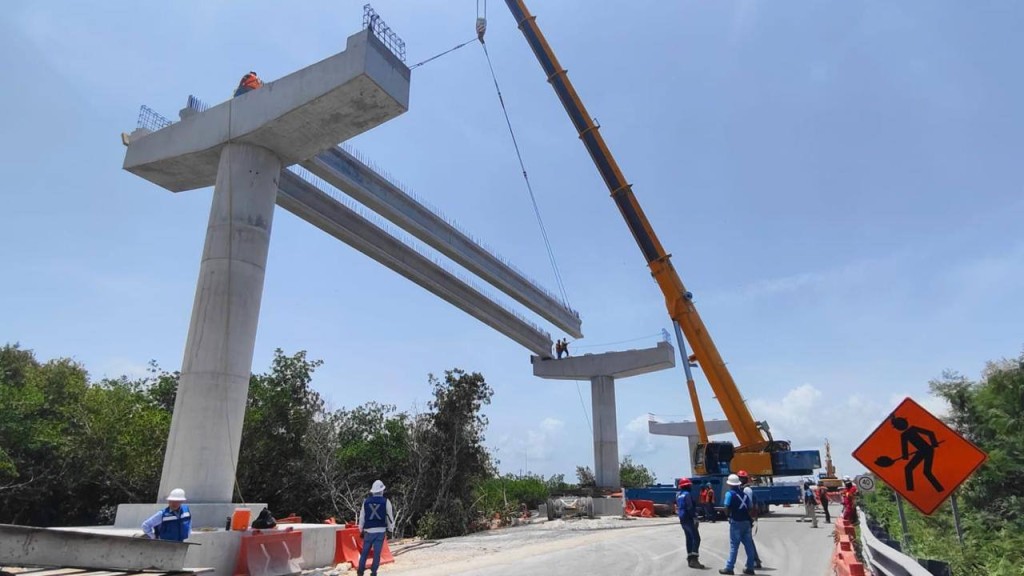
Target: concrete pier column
(206, 428)
(602, 370)
(606, 440)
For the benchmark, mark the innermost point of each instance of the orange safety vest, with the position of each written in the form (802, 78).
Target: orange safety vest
(251, 81)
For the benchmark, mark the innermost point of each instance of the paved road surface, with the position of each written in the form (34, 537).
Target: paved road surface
(616, 547)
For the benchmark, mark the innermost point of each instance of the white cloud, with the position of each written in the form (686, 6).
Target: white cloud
(534, 445)
(806, 416)
(634, 438)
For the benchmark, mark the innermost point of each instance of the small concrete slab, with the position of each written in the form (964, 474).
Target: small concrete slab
(296, 117)
(26, 545)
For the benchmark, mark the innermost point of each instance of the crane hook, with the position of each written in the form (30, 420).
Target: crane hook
(481, 28)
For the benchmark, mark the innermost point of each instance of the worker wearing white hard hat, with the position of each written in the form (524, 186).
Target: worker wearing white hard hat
(173, 522)
(376, 519)
(739, 506)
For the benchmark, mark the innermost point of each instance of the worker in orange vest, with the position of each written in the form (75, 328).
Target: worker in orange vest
(707, 502)
(248, 83)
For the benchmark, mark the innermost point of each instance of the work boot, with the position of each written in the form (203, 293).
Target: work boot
(748, 571)
(757, 564)
(725, 571)
(694, 562)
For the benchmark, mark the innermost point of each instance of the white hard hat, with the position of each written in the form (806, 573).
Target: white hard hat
(733, 480)
(176, 495)
(846, 479)
(378, 487)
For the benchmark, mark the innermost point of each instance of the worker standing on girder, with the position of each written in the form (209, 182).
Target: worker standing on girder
(376, 519)
(173, 522)
(739, 507)
(745, 481)
(687, 510)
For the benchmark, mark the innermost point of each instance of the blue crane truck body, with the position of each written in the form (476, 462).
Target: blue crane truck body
(764, 495)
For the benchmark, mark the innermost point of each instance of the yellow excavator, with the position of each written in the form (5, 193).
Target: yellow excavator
(828, 478)
(757, 453)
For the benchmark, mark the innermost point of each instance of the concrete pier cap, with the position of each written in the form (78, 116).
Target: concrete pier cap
(295, 117)
(602, 370)
(688, 429)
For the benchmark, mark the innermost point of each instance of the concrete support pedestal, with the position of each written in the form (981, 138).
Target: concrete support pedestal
(602, 370)
(689, 430)
(206, 428)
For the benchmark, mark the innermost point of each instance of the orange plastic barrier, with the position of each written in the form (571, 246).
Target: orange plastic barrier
(844, 559)
(290, 519)
(348, 543)
(640, 508)
(269, 552)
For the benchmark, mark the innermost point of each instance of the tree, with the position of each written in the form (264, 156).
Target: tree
(632, 475)
(585, 477)
(281, 409)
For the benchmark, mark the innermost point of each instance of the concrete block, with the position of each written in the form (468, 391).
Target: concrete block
(28, 546)
(130, 516)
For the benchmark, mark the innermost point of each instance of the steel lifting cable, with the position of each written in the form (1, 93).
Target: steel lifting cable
(466, 43)
(529, 187)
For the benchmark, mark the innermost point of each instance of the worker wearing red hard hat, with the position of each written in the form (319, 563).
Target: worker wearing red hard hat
(686, 508)
(745, 482)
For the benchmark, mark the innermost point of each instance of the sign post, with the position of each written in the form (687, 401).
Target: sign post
(921, 458)
(956, 519)
(903, 524)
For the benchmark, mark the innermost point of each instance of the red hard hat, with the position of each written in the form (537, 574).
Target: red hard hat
(684, 482)
(743, 474)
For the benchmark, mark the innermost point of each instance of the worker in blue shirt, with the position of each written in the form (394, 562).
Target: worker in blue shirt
(739, 506)
(686, 508)
(173, 522)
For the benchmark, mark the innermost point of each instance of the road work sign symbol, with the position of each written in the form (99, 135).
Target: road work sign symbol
(918, 456)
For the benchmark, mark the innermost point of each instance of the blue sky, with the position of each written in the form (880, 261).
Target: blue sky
(839, 184)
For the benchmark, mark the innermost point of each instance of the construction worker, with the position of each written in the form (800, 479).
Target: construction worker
(823, 498)
(810, 499)
(376, 519)
(559, 348)
(173, 522)
(707, 502)
(739, 505)
(248, 83)
(849, 501)
(745, 481)
(687, 509)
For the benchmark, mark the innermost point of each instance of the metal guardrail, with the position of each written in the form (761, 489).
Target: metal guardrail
(884, 560)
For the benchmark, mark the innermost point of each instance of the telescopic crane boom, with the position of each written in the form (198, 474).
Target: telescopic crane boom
(754, 452)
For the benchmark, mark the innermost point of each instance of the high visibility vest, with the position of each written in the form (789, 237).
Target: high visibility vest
(175, 525)
(739, 505)
(251, 81)
(375, 512)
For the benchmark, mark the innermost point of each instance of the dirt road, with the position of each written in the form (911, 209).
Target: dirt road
(614, 547)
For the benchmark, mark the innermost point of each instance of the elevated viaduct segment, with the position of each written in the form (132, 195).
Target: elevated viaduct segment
(315, 206)
(347, 173)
